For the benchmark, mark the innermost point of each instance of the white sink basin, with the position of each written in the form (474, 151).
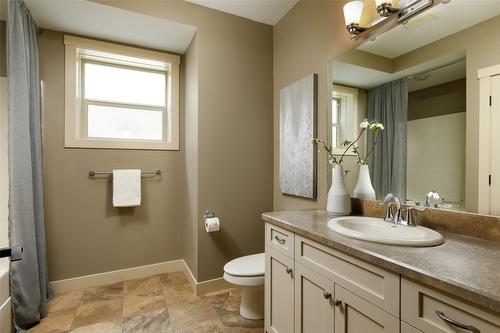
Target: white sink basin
(377, 230)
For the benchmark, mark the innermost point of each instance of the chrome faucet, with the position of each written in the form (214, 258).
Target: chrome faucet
(389, 200)
(431, 195)
(392, 199)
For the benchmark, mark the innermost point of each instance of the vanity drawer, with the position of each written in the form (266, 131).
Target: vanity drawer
(420, 307)
(280, 239)
(371, 283)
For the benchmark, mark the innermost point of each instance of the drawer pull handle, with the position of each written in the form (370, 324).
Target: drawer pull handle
(327, 295)
(289, 270)
(456, 323)
(338, 302)
(279, 240)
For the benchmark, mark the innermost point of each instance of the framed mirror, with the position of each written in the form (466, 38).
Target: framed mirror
(421, 81)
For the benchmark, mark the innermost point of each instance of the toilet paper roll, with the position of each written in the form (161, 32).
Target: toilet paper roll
(212, 224)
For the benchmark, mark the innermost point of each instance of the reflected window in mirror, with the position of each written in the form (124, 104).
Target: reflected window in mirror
(336, 108)
(344, 116)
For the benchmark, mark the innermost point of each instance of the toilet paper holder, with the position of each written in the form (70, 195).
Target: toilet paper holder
(209, 213)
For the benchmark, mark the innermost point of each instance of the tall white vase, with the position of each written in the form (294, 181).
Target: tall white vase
(364, 188)
(339, 200)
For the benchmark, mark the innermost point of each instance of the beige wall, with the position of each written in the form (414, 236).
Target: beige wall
(189, 185)
(85, 233)
(235, 136)
(305, 40)
(225, 162)
(438, 100)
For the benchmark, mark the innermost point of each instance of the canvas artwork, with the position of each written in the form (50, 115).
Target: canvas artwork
(298, 117)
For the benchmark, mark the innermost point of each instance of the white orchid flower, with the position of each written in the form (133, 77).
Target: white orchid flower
(364, 124)
(377, 126)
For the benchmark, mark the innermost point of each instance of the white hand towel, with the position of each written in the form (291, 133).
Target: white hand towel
(126, 188)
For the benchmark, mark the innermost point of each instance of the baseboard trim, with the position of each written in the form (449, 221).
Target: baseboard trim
(87, 281)
(206, 287)
(211, 286)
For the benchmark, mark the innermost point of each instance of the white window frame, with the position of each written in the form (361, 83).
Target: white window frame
(79, 50)
(349, 105)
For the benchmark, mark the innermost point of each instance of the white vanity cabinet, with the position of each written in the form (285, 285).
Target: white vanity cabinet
(312, 288)
(314, 302)
(279, 292)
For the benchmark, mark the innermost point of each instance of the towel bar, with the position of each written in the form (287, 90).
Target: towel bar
(155, 172)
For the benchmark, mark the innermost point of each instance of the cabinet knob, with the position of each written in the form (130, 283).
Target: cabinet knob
(289, 270)
(327, 295)
(338, 302)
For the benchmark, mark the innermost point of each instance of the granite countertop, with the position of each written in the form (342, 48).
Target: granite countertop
(465, 267)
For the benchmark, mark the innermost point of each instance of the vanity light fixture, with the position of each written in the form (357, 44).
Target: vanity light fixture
(385, 8)
(354, 9)
(352, 15)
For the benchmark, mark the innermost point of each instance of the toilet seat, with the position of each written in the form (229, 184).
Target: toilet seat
(252, 265)
(246, 271)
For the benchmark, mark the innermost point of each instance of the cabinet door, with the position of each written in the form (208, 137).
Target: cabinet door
(314, 309)
(354, 315)
(278, 292)
(406, 328)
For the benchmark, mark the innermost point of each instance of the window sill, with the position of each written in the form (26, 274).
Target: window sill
(121, 144)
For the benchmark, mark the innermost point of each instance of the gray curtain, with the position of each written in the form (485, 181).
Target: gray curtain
(28, 277)
(388, 104)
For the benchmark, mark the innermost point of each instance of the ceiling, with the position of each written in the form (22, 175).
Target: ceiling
(434, 72)
(435, 77)
(264, 11)
(91, 19)
(449, 18)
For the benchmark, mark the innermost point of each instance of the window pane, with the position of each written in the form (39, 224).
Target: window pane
(334, 137)
(123, 123)
(122, 85)
(335, 110)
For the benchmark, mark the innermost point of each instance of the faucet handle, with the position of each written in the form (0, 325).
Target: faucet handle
(409, 216)
(389, 216)
(388, 198)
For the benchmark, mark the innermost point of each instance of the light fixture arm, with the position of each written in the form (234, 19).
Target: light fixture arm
(354, 29)
(385, 9)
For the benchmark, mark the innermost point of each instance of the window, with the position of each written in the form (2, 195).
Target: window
(336, 114)
(120, 97)
(344, 117)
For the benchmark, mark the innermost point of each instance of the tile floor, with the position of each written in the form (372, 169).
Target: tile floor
(157, 304)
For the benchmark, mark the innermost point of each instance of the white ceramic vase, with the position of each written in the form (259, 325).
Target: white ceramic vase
(364, 188)
(339, 200)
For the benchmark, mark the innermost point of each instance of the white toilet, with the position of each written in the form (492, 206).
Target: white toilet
(248, 273)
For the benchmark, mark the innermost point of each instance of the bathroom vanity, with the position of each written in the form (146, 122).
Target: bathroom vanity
(320, 281)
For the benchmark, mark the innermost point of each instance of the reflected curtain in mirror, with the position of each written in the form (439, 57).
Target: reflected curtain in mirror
(298, 114)
(388, 104)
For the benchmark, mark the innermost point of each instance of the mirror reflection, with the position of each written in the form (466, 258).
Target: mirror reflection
(420, 81)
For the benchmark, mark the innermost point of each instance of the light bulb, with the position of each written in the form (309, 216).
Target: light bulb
(353, 11)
